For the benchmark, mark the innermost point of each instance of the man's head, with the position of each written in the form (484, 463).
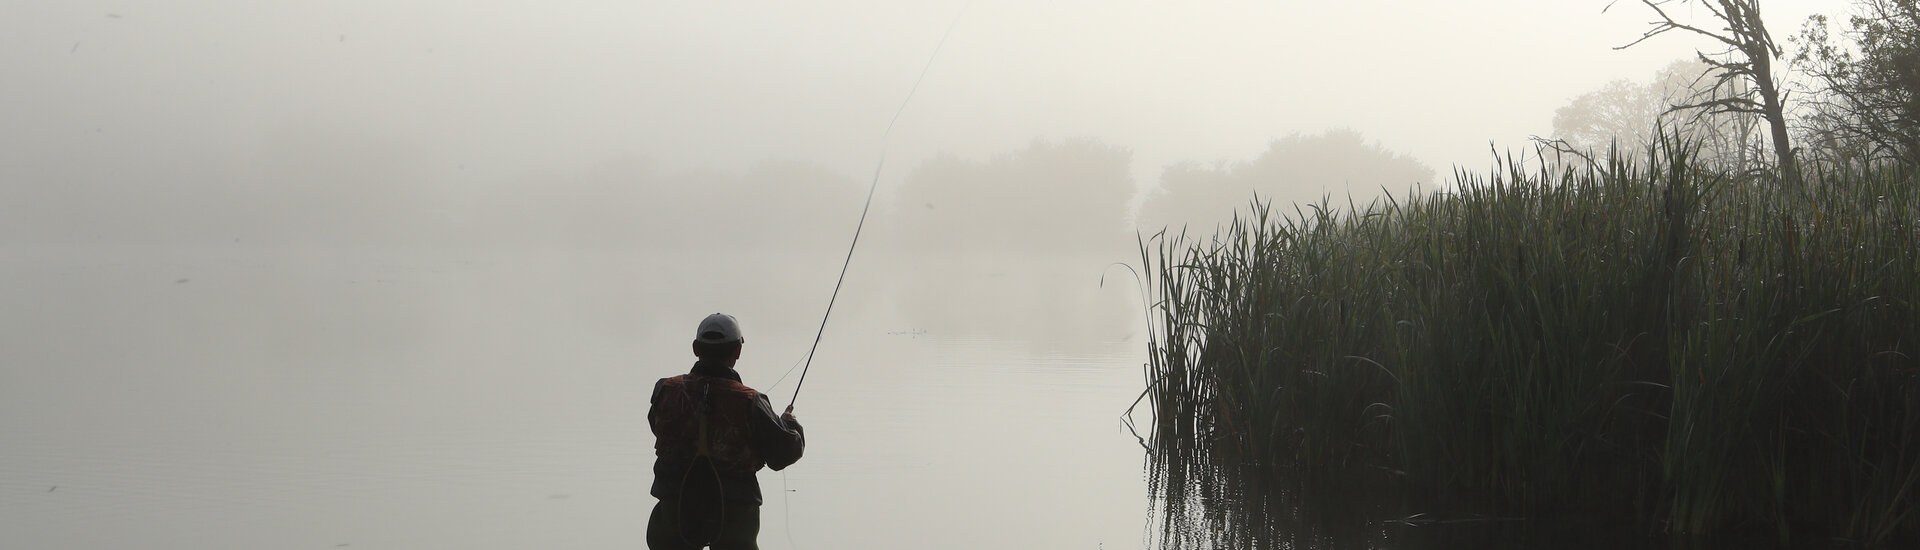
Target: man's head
(718, 338)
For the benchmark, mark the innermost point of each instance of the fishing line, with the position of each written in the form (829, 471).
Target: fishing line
(783, 376)
(885, 141)
(786, 506)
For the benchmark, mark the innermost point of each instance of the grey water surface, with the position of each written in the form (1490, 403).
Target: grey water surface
(260, 398)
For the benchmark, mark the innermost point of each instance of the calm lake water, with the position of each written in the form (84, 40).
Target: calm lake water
(258, 398)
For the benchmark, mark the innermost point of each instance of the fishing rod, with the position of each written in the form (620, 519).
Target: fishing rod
(885, 141)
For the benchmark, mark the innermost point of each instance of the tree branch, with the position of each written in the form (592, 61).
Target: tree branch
(1667, 24)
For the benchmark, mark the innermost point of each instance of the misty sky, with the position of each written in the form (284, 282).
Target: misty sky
(494, 89)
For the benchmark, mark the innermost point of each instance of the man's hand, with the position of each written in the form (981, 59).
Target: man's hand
(787, 416)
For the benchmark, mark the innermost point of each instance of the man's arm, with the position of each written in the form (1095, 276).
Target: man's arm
(654, 403)
(779, 439)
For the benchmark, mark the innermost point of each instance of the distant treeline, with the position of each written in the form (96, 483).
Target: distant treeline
(1640, 349)
(1014, 243)
(311, 186)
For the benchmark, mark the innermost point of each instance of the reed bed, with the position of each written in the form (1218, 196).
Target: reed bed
(1638, 347)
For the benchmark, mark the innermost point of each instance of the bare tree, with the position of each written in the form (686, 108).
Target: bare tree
(1748, 56)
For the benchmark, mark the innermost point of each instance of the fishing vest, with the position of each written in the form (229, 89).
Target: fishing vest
(728, 408)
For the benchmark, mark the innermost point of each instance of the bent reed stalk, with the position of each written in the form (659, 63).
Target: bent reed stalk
(1650, 348)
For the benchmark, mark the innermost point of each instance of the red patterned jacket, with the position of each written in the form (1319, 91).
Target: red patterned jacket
(743, 433)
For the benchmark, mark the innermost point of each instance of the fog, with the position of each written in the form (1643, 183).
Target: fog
(280, 275)
(175, 123)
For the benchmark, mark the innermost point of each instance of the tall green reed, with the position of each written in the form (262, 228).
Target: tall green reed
(1644, 346)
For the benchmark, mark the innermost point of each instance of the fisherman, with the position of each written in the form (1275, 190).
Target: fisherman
(711, 434)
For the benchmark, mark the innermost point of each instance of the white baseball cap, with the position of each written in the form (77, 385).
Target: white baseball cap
(719, 328)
